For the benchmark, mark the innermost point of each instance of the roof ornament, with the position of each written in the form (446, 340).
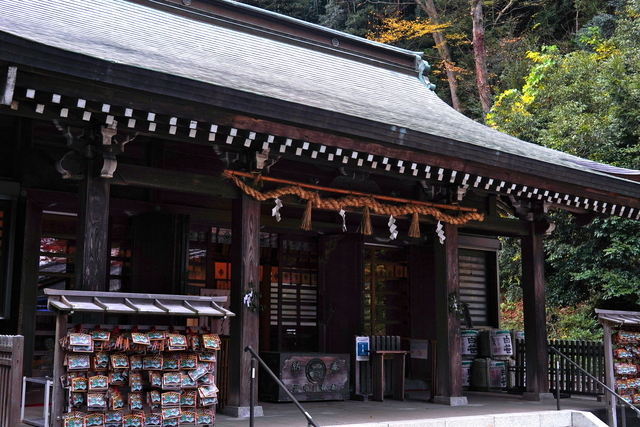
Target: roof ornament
(424, 67)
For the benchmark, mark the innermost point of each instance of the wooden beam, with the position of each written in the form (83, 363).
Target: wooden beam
(146, 177)
(497, 226)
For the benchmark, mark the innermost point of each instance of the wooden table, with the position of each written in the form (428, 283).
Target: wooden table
(377, 373)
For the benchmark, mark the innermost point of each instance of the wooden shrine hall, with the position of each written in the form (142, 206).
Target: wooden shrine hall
(210, 148)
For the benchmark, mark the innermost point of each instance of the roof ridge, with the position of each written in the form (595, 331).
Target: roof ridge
(285, 28)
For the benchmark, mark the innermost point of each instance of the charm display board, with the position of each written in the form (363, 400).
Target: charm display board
(134, 376)
(622, 357)
(308, 376)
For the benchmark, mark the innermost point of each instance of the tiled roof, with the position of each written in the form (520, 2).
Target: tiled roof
(287, 69)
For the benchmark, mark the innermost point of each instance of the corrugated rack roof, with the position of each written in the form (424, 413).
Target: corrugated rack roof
(130, 303)
(619, 317)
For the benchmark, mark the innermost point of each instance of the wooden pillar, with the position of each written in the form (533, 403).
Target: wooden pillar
(340, 285)
(93, 228)
(156, 251)
(26, 313)
(448, 351)
(535, 324)
(422, 309)
(245, 267)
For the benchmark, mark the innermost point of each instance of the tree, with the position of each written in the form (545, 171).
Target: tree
(334, 17)
(585, 102)
(429, 8)
(480, 56)
(307, 10)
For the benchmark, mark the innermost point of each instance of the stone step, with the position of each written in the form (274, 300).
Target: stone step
(565, 418)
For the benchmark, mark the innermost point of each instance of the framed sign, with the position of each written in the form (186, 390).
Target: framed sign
(362, 349)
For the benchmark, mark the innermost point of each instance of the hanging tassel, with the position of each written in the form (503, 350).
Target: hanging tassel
(306, 218)
(365, 225)
(343, 214)
(440, 233)
(414, 229)
(275, 212)
(257, 181)
(393, 228)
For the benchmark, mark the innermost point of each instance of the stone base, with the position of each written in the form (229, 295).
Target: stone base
(451, 401)
(242, 411)
(538, 397)
(360, 397)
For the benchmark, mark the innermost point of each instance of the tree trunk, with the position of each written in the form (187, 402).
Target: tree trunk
(480, 56)
(429, 8)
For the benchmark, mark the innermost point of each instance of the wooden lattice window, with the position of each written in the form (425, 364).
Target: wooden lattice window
(385, 292)
(294, 296)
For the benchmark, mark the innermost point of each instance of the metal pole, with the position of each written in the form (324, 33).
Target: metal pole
(251, 397)
(24, 388)
(281, 385)
(47, 390)
(609, 389)
(558, 383)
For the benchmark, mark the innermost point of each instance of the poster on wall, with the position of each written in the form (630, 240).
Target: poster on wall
(419, 349)
(362, 349)
(219, 326)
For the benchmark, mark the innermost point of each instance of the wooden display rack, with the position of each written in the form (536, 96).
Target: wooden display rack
(612, 320)
(63, 303)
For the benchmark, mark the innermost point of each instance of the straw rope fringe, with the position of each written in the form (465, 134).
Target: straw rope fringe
(368, 203)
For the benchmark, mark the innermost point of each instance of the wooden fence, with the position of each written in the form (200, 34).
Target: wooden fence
(11, 348)
(587, 354)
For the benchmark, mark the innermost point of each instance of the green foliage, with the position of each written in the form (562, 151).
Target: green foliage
(593, 263)
(411, 34)
(307, 10)
(512, 315)
(334, 17)
(574, 323)
(510, 271)
(585, 102)
(568, 77)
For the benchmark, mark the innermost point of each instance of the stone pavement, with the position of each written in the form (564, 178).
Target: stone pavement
(484, 410)
(417, 411)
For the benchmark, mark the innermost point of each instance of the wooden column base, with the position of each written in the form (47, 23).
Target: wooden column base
(242, 411)
(538, 397)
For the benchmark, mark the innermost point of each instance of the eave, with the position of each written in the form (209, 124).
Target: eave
(167, 96)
